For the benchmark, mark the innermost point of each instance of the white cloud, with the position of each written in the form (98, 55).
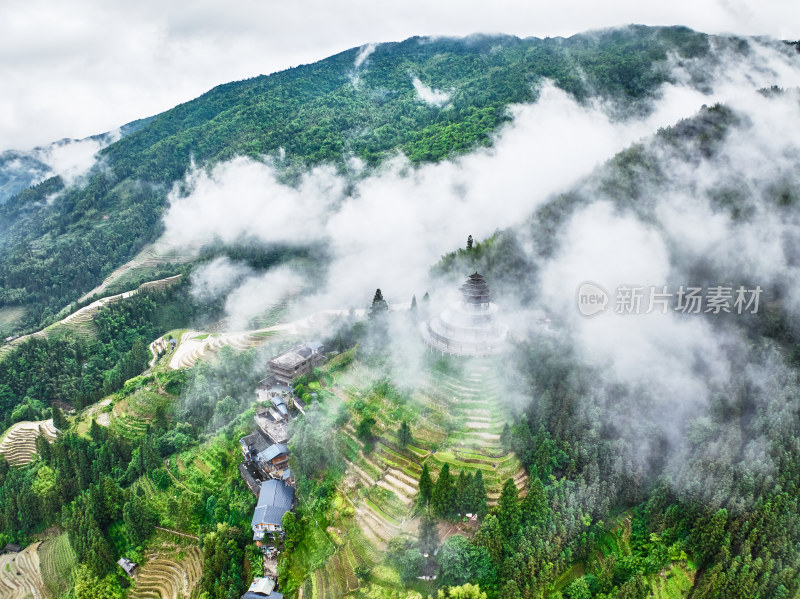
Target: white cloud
(258, 293)
(217, 277)
(400, 220)
(363, 54)
(429, 95)
(71, 158)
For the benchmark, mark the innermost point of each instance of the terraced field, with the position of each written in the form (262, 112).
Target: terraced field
(151, 256)
(87, 313)
(20, 577)
(57, 560)
(80, 322)
(131, 415)
(19, 443)
(337, 578)
(478, 415)
(165, 577)
(455, 419)
(193, 345)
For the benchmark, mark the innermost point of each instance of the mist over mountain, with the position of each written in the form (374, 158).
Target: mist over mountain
(67, 159)
(332, 112)
(643, 450)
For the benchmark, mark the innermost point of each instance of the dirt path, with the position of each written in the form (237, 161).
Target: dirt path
(87, 313)
(166, 466)
(176, 532)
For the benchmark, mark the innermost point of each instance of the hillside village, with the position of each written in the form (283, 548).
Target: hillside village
(265, 466)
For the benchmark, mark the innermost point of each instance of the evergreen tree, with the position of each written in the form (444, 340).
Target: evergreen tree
(59, 420)
(364, 429)
(379, 305)
(534, 505)
(413, 304)
(469, 243)
(463, 493)
(490, 537)
(404, 434)
(443, 494)
(478, 501)
(708, 535)
(510, 590)
(43, 448)
(425, 487)
(428, 534)
(96, 432)
(140, 521)
(508, 510)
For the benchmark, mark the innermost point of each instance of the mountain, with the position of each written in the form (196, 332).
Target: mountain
(58, 241)
(66, 158)
(635, 453)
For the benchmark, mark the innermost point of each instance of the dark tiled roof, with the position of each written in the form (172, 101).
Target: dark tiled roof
(475, 290)
(248, 476)
(274, 501)
(255, 440)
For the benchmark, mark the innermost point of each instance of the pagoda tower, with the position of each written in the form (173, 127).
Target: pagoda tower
(468, 327)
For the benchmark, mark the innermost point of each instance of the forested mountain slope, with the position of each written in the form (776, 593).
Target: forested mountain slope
(429, 98)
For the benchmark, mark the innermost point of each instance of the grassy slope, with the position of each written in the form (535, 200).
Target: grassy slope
(57, 561)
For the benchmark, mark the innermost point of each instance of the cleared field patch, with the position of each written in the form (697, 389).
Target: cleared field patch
(56, 561)
(19, 442)
(10, 315)
(169, 575)
(20, 577)
(132, 414)
(672, 583)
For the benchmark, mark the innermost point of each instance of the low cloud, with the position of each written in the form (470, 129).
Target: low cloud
(431, 96)
(361, 58)
(217, 278)
(385, 228)
(73, 158)
(259, 293)
(724, 217)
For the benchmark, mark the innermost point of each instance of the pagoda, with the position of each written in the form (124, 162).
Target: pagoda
(468, 327)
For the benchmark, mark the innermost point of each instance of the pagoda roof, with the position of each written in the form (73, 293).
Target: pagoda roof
(475, 290)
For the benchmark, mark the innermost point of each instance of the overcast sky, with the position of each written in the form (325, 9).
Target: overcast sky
(72, 68)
